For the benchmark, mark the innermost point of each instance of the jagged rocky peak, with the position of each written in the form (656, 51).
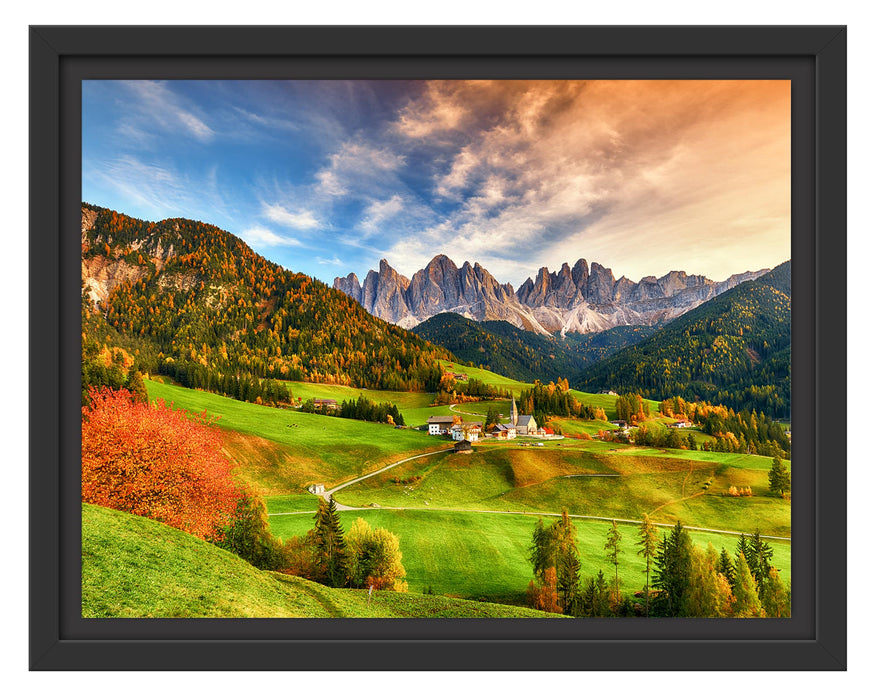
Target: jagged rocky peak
(349, 285)
(579, 298)
(600, 285)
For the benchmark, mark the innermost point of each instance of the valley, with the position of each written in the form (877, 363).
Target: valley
(465, 521)
(462, 438)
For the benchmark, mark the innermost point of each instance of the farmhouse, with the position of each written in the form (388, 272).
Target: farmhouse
(329, 404)
(316, 489)
(620, 423)
(682, 424)
(442, 425)
(504, 431)
(608, 392)
(466, 431)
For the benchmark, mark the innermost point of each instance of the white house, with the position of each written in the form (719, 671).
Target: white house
(441, 425)
(466, 431)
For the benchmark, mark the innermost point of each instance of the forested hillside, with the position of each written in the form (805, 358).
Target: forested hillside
(520, 354)
(733, 350)
(190, 300)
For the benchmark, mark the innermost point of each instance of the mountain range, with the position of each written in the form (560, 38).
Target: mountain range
(733, 350)
(577, 299)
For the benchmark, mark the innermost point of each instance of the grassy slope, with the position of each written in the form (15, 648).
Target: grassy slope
(285, 459)
(135, 567)
(668, 484)
(415, 407)
(453, 552)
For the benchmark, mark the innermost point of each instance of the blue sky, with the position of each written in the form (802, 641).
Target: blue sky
(327, 177)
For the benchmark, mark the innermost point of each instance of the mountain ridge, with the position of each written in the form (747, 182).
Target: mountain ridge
(734, 350)
(576, 299)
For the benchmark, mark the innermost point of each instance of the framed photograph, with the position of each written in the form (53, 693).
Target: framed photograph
(447, 348)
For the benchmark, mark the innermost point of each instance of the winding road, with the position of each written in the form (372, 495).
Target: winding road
(327, 494)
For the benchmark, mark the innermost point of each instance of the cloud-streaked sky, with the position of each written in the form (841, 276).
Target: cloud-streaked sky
(327, 177)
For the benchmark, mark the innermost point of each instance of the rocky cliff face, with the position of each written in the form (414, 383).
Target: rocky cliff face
(577, 299)
(101, 274)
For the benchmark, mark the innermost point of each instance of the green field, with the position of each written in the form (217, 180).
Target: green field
(484, 554)
(414, 406)
(487, 377)
(283, 451)
(447, 543)
(136, 567)
(668, 484)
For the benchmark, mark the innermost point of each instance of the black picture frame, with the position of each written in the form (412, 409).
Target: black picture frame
(813, 57)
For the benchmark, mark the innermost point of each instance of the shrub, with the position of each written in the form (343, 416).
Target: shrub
(156, 462)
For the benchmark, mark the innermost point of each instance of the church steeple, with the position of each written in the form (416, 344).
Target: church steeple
(513, 412)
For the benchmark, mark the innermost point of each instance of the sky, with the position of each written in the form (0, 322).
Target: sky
(328, 177)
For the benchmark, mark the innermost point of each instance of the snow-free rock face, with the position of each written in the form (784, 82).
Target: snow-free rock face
(575, 300)
(101, 274)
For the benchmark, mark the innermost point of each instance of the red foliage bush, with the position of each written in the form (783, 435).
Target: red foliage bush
(157, 462)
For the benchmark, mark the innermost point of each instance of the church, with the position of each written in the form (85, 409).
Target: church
(524, 425)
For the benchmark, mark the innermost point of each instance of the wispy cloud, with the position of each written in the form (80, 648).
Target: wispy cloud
(300, 219)
(258, 236)
(159, 188)
(381, 211)
(158, 106)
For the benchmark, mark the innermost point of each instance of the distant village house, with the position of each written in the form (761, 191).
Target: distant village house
(442, 425)
(504, 431)
(466, 431)
(329, 404)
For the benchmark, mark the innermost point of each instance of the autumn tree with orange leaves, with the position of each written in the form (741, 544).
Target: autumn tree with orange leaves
(155, 461)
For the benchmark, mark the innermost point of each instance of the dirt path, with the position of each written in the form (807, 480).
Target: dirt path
(465, 413)
(327, 494)
(546, 514)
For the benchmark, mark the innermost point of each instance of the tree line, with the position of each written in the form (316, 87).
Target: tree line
(682, 579)
(361, 408)
(544, 401)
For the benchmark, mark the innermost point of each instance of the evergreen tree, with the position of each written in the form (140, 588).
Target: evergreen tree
(613, 554)
(568, 563)
(746, 598)
(541, 552)
(776, 599)
(726, 567)
(648, 542)
(330, 547)
(595, 598)
(492, 415)
(779, 478)
(672, 567)
(758, 556)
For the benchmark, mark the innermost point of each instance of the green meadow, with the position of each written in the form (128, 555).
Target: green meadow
(283, 451)
(136, 567)
(486, 554)
(448, 544)
(667, 484)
